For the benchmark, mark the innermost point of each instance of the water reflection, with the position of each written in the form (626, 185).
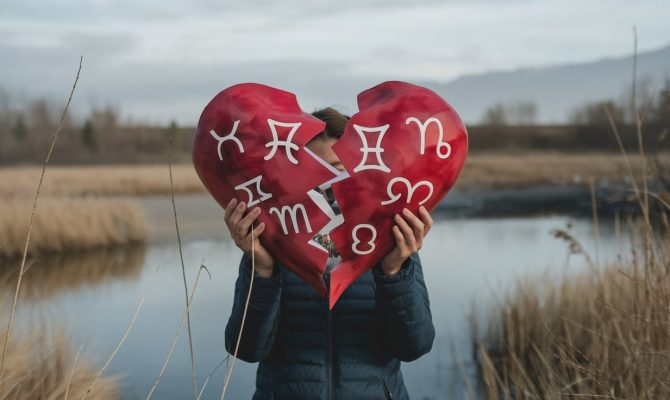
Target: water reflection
(95, 295)
(50, 275)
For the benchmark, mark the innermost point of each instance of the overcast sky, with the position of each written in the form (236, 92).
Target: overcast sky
(159, 60)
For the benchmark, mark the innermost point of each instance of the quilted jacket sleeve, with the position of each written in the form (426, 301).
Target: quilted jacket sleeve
(404, 310)
(260, 325)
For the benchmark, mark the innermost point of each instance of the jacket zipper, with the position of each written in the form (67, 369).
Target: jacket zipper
(329, 366)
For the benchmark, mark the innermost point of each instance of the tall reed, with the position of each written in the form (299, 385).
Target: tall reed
(600, 334)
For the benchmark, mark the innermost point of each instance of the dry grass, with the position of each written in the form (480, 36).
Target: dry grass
(602, 334)
(481, 170)
(99, 180)
(41, 368)
(67, 224)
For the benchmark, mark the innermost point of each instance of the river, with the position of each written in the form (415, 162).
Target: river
(92, 296)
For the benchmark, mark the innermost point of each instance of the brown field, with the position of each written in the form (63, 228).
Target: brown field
(604, 333)
(546, 168)
(481, 170)
(98, 180)
(67, 224)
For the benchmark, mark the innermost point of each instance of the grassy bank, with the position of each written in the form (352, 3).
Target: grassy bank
(604, 333)
(44, 368)
(67, 224)
(548, 168)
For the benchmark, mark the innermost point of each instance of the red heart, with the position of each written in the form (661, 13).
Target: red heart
(249, 144)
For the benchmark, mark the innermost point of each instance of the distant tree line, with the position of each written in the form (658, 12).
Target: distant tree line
(500, 114)
(98, 137)
(655, 108)
(102, 137)
(588, 127)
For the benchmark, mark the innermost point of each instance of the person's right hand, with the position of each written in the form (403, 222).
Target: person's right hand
(239, 226)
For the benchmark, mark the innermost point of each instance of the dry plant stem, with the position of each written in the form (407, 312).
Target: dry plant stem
(116, 350)
(204, 385)
(470, 391)
(74, 367)
(183, 272)
(244, 316)
(596, 228)
(638, 129)
(181, 325)
(30, 225)
(638, 126)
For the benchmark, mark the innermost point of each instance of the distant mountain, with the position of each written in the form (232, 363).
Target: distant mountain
(556, 90)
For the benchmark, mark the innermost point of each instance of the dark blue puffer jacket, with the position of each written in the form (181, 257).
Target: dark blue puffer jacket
(351, 352)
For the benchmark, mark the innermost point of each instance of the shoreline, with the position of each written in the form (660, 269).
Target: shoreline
(200, 216)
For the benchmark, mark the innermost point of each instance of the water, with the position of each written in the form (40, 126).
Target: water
(93, 297)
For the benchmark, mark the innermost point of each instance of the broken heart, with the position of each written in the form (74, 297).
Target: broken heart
(404, 148)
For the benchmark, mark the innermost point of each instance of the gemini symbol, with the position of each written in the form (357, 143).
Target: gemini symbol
(366, 150)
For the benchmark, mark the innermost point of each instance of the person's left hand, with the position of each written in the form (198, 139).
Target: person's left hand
(408, 231)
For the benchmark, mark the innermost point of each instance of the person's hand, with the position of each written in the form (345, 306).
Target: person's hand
(408, 231)
(239, 226)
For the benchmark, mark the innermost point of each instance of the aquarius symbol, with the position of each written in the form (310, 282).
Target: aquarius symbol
(288, 144)
(378, 150)
(230, 136)
(440, 143)
(245, 186)
(293, 212)
(410, 190)
(357, 241)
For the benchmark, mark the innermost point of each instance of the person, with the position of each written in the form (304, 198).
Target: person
(304, 349)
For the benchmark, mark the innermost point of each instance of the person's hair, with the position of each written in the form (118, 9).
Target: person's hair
(335, 123)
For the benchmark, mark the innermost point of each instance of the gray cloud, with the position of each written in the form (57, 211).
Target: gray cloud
(162, 60)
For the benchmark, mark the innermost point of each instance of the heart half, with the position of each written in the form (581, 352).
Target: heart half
(404, 148)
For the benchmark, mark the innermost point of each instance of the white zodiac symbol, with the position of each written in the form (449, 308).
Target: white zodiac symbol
(288, 144)
(378, 149)
(230, 136)
(293, 212)
(357, 241)
(410, 190)
(440, 144)
(245, 186)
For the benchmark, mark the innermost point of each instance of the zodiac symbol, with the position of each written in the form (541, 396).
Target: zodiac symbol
(245, 186)
(378, 150)
(230, 136)
(410, 190)
(293, 212)
(288, 144)
(357, 241)
(440, 144)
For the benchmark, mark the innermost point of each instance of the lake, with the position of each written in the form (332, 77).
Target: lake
(92, 296)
